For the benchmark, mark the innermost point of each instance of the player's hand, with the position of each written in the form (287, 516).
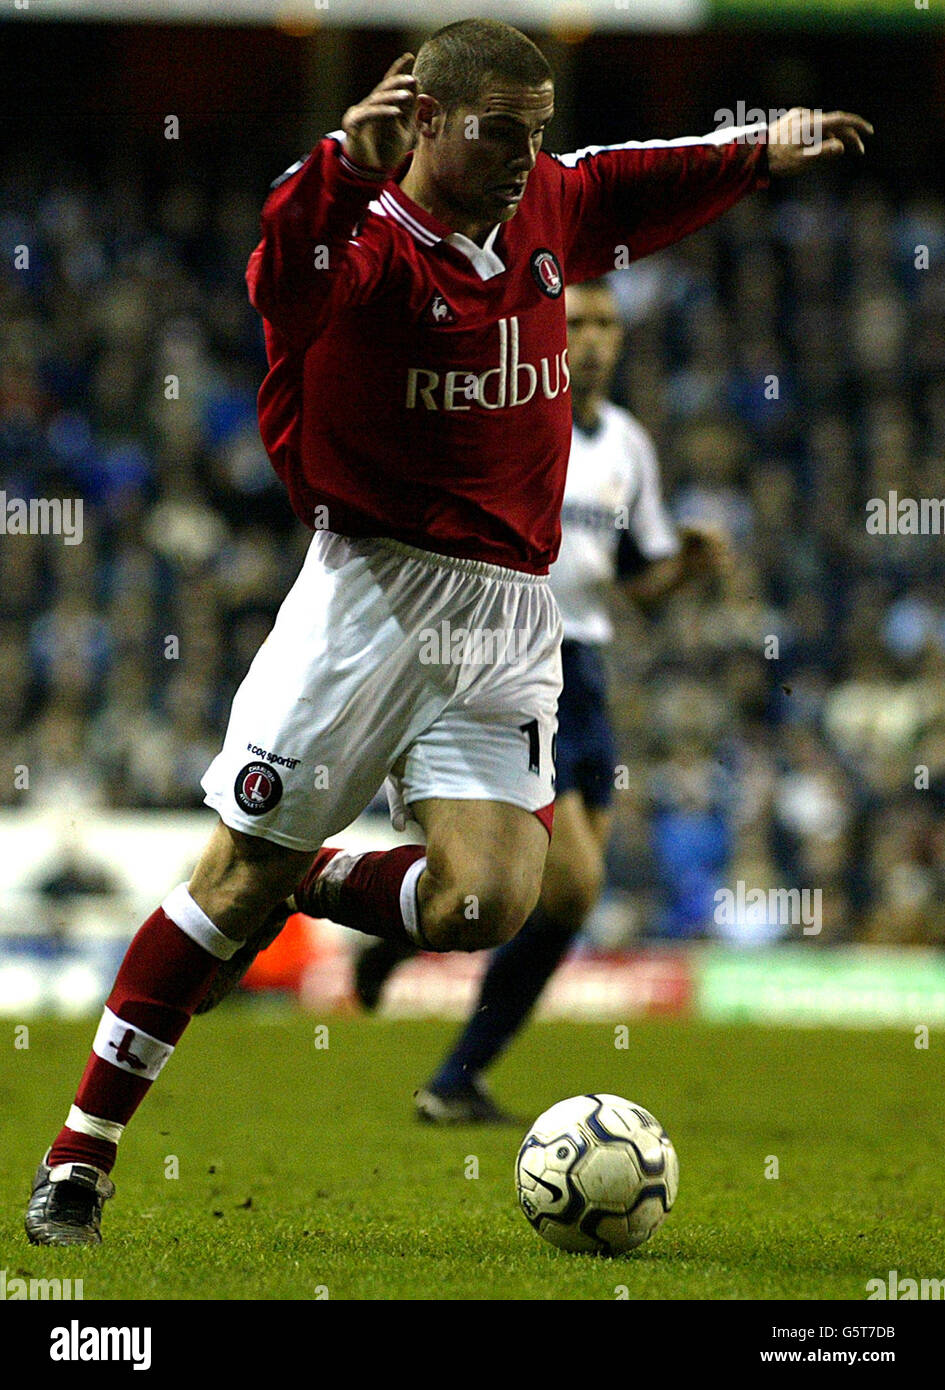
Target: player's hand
(379, 130)
(803, 138)
(706, 552)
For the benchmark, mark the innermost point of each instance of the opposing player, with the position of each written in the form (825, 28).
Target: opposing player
(614, 528)
(417, 408)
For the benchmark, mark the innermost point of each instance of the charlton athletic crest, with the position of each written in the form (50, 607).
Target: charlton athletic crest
(547, 273)
(258, 789)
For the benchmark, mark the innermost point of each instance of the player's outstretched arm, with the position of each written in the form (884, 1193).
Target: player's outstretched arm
(802, 138)
(621, 202)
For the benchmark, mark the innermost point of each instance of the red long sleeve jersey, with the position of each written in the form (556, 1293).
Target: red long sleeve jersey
(419, 384)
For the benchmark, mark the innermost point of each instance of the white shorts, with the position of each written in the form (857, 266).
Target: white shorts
(441, 675)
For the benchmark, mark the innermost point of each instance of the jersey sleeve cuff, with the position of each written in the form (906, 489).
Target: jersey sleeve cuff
(358, 171)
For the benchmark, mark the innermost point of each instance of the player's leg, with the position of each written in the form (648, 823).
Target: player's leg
(301, 783)
(484, 871)
(600, 820)
(241, 883)
(284, 780)
(469, 888)
(479, 776)
(449, 867)
(574, 869)
(518, 972)
(168, 968)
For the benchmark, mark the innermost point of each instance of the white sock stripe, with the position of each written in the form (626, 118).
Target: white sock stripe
(129, 1048)
(409, 907)
(339, 867)
(330, 882)
(93, 1126)
(195, 923)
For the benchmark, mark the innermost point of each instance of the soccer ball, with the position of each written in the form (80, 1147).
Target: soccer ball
(596, 1174)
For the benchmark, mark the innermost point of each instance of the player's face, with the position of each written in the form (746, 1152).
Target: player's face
(485, 153)
(594, 337)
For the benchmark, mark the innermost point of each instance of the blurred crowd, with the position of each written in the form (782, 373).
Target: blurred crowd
(784, 728)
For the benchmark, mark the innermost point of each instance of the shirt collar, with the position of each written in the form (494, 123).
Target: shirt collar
(421, 225)
(485, 259)
(428, 230)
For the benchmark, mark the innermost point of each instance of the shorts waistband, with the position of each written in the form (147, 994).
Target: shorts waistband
(456, 562)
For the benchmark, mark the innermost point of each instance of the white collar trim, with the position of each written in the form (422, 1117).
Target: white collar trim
(485, 261)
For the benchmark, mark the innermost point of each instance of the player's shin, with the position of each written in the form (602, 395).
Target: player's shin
(375, 892)
(167, 969)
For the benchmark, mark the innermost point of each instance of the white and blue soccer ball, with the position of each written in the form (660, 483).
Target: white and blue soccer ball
(596, 1174)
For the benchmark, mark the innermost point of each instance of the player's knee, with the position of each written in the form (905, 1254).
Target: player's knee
(487, 915)
(242, 876)
(501, 916)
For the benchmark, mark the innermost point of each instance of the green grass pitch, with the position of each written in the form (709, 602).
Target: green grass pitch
(302, 1170)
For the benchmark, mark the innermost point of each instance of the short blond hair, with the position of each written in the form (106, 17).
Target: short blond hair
(455, 62)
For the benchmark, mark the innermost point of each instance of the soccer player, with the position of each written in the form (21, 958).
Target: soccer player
(410, 276)
(614, 526)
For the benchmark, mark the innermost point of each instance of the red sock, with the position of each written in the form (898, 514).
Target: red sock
(374, 892)
(166, 972)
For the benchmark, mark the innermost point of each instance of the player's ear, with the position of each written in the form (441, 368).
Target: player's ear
(429, 116)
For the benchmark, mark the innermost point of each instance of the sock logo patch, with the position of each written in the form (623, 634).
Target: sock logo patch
(123, 1052)
(128, 1048)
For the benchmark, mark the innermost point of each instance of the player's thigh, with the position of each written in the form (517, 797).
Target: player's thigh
(575, 863)
(334, 692)
(484, 865)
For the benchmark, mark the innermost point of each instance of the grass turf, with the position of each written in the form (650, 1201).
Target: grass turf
(302, 1170)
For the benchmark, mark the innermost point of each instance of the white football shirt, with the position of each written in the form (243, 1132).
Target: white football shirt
(613, 485)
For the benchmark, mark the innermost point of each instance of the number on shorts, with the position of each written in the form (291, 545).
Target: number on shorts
(534, 745)
(534, 749)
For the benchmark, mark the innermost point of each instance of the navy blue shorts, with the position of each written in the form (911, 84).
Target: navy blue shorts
(586, 750)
